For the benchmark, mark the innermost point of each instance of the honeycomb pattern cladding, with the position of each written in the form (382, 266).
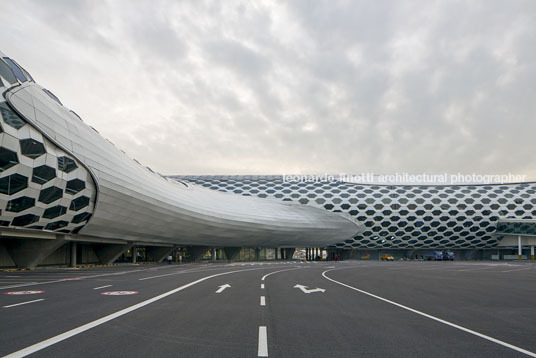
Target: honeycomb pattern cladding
(399, 216)
(41, 186)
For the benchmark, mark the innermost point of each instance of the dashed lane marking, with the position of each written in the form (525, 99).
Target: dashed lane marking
(98, 288)
(263, 342)
(23, 303)
(73, 332)
(263, 301)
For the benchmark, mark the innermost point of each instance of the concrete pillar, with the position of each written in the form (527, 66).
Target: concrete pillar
(108, 253)
(519, 248)
(231, 252)
(158, 253)
(134, 254)
(532, 253)
(28, 253)
(289, 253)
(196, 252)
(213, 254)
(73, 254)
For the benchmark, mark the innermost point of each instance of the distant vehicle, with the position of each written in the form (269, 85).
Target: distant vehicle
(448, 255)
(434, 256)
(386, 257)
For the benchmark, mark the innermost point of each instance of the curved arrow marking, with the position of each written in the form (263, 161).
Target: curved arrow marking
(305, 290)
(222, 287)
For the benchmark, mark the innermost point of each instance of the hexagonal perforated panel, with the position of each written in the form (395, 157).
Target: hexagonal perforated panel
(39, 182)
(399, 216)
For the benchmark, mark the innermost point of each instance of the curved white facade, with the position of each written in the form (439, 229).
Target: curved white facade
(131, 202)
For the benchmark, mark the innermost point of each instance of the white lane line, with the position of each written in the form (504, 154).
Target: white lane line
(23, 303)
(194, 270)
(263, 301)
(98, 288)
(475, 269)
(522, 269)
(271, 273)
(73, 332)
(263, 342)
(164, 275)
(78, 278)
(262, 286)
(491, 339)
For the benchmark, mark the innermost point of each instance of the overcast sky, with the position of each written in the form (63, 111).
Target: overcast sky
(268, 87)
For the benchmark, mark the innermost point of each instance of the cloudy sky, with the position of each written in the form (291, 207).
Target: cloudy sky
(278, 87)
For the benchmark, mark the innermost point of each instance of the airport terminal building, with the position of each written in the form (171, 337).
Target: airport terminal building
(69, 196)
(405, 219)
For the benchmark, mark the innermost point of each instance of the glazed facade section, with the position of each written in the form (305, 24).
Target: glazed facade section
(41, 186)
(56, 168)
(398, 216)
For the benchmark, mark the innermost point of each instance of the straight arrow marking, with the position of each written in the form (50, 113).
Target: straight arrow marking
(305, 290)
(222, 287)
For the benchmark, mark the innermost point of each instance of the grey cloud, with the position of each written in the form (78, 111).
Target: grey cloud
(212, 87)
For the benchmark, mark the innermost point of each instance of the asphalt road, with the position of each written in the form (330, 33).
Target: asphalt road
(346, 309)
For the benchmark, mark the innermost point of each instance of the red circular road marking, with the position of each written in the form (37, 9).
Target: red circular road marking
(119, 293)
(23, 292)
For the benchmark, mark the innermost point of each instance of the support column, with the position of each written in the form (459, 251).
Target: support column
(289, 253)
(231, 252)
(108, 253)
(532, 253)
(73, 254)
(213, 254)
(158, 253)
(196, 252)
(134, 251)
(28, 253)
(519, 248)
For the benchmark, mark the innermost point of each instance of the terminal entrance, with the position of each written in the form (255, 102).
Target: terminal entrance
(520, 234)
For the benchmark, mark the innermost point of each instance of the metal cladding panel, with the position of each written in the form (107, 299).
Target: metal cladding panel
(398, 216)
(134, 203)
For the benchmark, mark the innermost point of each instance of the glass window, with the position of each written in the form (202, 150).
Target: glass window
(51, 194)
(11, 117)
(6, 72)
(25, 220)
(66, 164)
(20, 204)
(16, 69)
(8, 158)
(74, 186)
(77, 219)
(56, 225)
(32, 148)
(43, 174)
(54, 212)
(13, 184)
(79, 203)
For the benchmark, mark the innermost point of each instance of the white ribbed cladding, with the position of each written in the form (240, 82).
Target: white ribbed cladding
(398, 216)
(134, 203)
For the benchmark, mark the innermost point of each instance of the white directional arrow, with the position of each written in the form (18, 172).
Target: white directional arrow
(305, 290)
(222, 287)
